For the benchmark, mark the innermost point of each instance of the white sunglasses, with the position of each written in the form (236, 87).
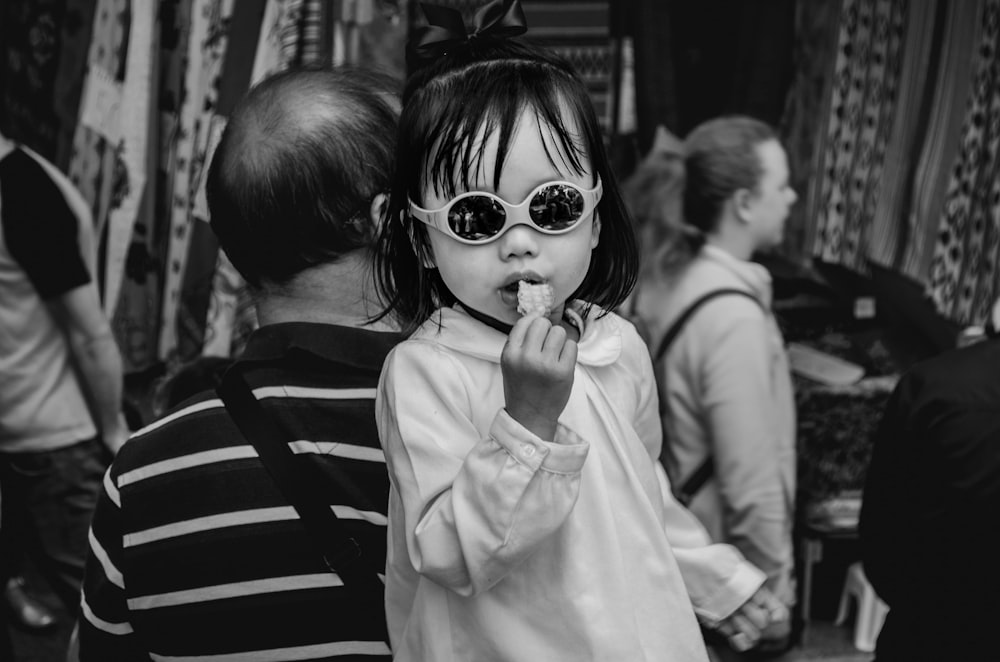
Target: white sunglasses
(478, 217)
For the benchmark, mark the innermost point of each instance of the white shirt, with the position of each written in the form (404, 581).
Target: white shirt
(504, 546)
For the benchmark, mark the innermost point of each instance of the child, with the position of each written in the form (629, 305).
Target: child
(528, 518)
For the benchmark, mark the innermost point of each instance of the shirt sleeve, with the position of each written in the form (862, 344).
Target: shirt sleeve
(40, 228)
(474, 507)
(738, 398)
(717, 577)
(105, 628)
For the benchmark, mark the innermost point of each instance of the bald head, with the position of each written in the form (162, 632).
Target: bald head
(294, 175)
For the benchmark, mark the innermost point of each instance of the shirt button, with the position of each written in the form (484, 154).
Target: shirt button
(528, 450)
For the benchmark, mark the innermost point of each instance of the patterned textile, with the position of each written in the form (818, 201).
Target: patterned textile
(575, 30)
(961, 30)
(139, 73)
(311, 45)
(580, 33)
(43, 50)
(908, 172)
(95, 165)
(862, 106)
(816, 42)
(963, 275)
(206, 47)
(895, 225)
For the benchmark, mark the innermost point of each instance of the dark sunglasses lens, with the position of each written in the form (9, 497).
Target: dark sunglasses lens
(557, 207)
(476, 217)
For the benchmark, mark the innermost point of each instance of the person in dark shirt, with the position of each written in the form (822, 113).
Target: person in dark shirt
(930, 514)
(195, 552)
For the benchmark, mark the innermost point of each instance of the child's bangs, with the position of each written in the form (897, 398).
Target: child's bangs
(491, 104)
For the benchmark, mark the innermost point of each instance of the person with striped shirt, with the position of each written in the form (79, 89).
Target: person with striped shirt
(194, 552)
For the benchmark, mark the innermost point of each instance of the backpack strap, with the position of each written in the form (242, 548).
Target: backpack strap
(706, 469)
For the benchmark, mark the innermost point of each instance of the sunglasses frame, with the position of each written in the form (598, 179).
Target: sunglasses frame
(438, 218)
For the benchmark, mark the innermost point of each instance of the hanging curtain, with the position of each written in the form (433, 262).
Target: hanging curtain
(133, 148)
(206, 44)
(896, 225)
(815, 50)
(95, 165)
(906, 172)
(44, 47)
(963, 279)
(862, 105)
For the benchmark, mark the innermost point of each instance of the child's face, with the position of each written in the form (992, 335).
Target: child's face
(484, 277)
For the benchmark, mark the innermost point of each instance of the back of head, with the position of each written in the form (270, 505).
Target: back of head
(720, 158)
(451, 99)
(303, 155)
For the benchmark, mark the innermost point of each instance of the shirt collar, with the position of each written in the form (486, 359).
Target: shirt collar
(755, 276)
(336, 344)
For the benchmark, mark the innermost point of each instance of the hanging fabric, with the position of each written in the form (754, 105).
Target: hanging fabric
(801, 130)
(863, 102)
(205, 48)
(95, 163)
(312, 45)
(136, 97)
(964, 268)
(896, 222)
(44, 47)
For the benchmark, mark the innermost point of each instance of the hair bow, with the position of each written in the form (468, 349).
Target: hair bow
(446, 31)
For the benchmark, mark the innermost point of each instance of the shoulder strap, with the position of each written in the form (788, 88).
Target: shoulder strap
(299, 482)
(678, 325)
(696, 480)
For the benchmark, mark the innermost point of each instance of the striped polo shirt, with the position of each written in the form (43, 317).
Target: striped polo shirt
(194, 552)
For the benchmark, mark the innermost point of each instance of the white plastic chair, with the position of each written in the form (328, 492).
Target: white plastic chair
(871, 611)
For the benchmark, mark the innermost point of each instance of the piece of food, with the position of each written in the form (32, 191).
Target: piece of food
(534, 299)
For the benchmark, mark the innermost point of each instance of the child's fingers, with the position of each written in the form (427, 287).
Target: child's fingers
(554, 341)
(537, 333)
(519, 331)
(568, 354)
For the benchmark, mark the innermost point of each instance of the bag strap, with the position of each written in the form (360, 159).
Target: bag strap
(706, 469)
(300, 483)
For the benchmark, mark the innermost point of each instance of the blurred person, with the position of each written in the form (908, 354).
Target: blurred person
(930, 534)
(196, 552)
(60, 395)
(727, 405)
(652, 195)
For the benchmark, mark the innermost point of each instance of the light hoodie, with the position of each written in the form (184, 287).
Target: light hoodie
(727, 392)
(505, 546)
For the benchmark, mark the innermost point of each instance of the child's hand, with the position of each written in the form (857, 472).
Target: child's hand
(537, 363)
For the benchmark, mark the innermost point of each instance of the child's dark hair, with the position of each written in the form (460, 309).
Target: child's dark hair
(446, 104)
